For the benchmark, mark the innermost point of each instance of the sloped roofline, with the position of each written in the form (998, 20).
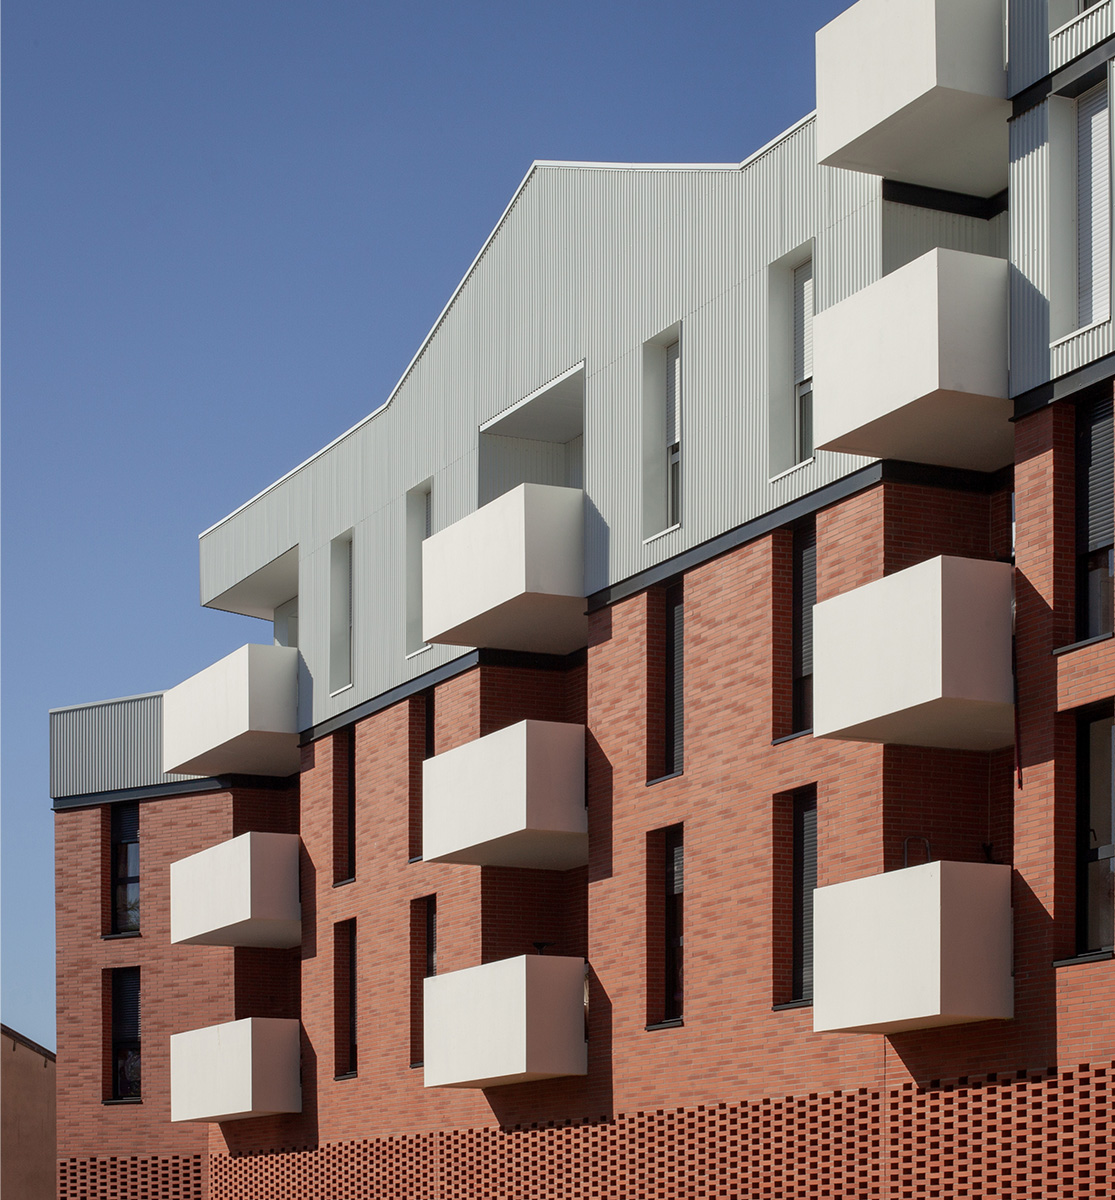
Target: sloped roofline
(538, 164)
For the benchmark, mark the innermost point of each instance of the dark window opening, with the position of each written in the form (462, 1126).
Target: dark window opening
(344, 805)
(125, 868)
(804, 881)
(422, 727)
(1095, 875)
(126, 1073)
(674, 924)
(804, 597)
(675, 681)
(1095, 519)
(344, 998)
(423, 965)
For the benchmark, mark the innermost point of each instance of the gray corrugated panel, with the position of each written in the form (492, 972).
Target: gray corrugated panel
(1081, 348)
(108, 746)
(1029, 239)
(910, 232)
(1028, 43)
(1079, 35)
(588, 264)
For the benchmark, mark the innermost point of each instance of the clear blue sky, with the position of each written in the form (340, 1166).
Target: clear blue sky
(227, 228)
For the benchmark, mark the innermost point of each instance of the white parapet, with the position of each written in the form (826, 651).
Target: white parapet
(921, 657)
(239, 716)
(241, 1069)
(913, 949)
(515, 798)
(915, 366)
(916, 90)
(510, 575)
(505, 1022)
(243, 892)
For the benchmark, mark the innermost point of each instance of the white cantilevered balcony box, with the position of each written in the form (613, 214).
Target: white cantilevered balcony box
(505, 1022)
(243, 892)
(239, 716)
(915, 366)
(916, 90)
(921, 657)
(511, 575)
(240, 1069)
(913, 949)
(515, 798)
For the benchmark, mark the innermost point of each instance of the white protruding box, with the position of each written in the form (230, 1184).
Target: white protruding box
(510, 575)
(913, 949)
(921, 657)
(915, 366)
(505, 1022)
(240, 1069)
(243, 892)
(239, 716)
(916, 90)
(515, 798)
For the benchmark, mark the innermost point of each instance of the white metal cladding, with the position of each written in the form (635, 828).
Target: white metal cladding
(1079, 35)
(1030, 275)
(588, 263)
(910, 232)
(108, 746)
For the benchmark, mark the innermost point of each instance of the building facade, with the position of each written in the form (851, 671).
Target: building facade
(682, 764)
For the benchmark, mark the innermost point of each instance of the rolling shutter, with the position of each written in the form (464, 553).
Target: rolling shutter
(805, 880)
(673, 394)
(803, 322)
(1095, 474)
(1093, 195)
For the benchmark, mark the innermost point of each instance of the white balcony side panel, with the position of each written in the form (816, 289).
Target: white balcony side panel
(510, 1021)
(587, 264)
(1030, 249)
(108, 746)
(241, 1069)
(926, 946)
(242, 892)
(1078, 36)
(513, 798)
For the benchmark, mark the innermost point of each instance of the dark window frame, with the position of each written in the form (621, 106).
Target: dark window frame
(1095, 518)
(804, 591)
(1087, 853)
(126, 1035)
(804, 880)
(125, 868)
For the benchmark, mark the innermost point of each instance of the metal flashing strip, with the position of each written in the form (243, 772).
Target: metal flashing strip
(161, 791)
(960, 203)
(1093, 374)
(1072, 79)
(8, 1032)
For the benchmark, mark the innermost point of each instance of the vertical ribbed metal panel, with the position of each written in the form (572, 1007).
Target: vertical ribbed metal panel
(1029, 240)
(910, 232)
(1027, 43)
(1077, 37)
(108, 746)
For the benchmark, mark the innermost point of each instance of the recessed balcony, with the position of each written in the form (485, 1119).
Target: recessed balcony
(915, 366)
(511, 575)
(913, 949)
(239, 716)
(916, 91)
(921, 658)
(237, 1070)
(515, 798)
(243, 892)
(510, 1021)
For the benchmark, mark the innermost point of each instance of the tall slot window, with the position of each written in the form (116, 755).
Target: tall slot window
(344, 805)
(1095, 518)
(421, 748)
(124, 821)
(344, 998)
(1095, 858)
(423, 966)
(1093, 207)
(803, 361)
(805, 596)
(340, 612)
(675, 680)
(419, 526)
(673, 433)
(673, 925)
(126, 1073)
(804, 881)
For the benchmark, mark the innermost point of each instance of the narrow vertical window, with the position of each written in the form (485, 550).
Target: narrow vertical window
(1095, 857)
(126, 1074)
(421, 748)
(675, 680)
(419, 525)
(344, 805)
(803, 362)
(344, 998)
(674, 924)
(673, 434)
(125, 868)
(1093, 207)
(804, 597)
(340, 613)
(804, 881)
(423, 966)
(1095, 518)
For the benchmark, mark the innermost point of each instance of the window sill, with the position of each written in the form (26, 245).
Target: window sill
(792, 1004)
(1093, 956)
(415, 1065)
(346, 1075)
(805, 462)
(340, 691)
(663, 778)
(415, 653)
(115, 937)
(415, 858)
(344, 882)
(662, 533)
(792, 737)
(1100, 637)
(673, 1023)
(124, 1100)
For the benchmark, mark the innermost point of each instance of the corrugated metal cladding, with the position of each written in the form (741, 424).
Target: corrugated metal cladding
(1080, 34)
(589, 263)
(108, 746)
(1028, 27)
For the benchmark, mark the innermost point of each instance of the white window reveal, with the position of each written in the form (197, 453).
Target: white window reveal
(803, 361)
(1093, 207)
(673, 434)
(340, 612)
